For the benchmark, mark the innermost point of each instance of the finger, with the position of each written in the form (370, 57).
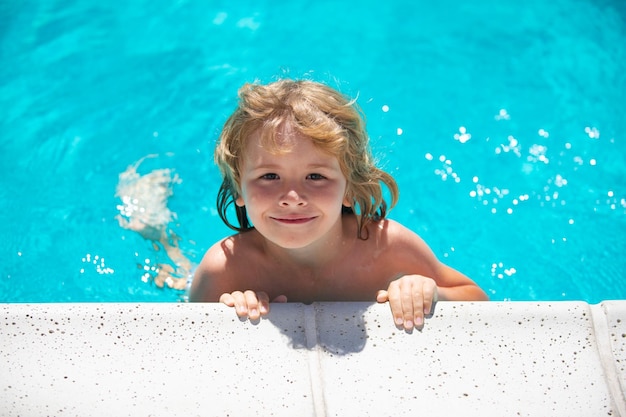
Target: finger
(227, 299)
(430, 298)
(236, 300)
(395, 303)
(241, 307)
(280, 299)
(382, 296)
(417, 295)
(252, 304)
(409, 293)
(263, 302)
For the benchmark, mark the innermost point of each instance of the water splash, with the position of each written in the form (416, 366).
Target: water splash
(145, 210)
(144, 200)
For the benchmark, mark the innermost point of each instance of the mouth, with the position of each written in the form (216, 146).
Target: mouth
(293, 220)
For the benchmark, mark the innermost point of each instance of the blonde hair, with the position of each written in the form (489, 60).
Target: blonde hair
(333, 122)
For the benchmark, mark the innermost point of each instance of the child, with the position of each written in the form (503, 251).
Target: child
(311, 219)
(144, 210)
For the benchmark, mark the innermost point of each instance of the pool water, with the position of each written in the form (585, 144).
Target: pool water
(503, 122)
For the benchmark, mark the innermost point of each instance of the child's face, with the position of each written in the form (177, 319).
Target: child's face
(293, 198)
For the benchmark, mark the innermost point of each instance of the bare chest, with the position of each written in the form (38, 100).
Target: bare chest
(349, 280)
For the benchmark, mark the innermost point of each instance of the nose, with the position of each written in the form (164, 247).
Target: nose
(292, 197)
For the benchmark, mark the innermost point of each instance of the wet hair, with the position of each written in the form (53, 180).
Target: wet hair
(333, 122)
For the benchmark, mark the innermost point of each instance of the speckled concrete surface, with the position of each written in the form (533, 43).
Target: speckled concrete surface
(325, 359)
(615, 314)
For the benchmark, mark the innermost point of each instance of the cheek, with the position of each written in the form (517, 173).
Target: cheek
(347, 196)
(253, 196)
(337, 196)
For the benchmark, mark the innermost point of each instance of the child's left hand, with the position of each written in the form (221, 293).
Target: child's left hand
(410, 298)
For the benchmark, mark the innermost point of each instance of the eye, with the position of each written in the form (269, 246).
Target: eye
(315, 177)
(269, 177)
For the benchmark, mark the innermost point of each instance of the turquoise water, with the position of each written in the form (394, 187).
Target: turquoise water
(503, 122)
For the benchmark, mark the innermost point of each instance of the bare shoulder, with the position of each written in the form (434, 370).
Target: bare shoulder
(402, 251)
(397, 237)
(220, 267)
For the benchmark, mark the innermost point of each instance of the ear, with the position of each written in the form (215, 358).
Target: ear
(239, 202)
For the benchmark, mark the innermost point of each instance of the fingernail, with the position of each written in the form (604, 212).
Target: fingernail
(254, 312)
(419, 321)
(408, 324)
(399, 321)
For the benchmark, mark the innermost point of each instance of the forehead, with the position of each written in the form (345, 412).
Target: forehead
(276, 139)
(283, 143)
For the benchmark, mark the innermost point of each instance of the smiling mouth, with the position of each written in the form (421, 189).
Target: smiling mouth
(299, 220)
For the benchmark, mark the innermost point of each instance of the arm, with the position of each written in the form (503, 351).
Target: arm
(246, 303)
(215, 278)
(420, 279)
(454, 286)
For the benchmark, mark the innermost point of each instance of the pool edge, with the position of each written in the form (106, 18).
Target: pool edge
(182, 359)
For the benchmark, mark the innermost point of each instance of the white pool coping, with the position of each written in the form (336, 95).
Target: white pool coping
(325, 359)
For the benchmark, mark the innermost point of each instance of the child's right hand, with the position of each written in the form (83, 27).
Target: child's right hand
(250, 304)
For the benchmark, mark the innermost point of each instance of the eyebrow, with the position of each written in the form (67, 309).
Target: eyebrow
(275, 166)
